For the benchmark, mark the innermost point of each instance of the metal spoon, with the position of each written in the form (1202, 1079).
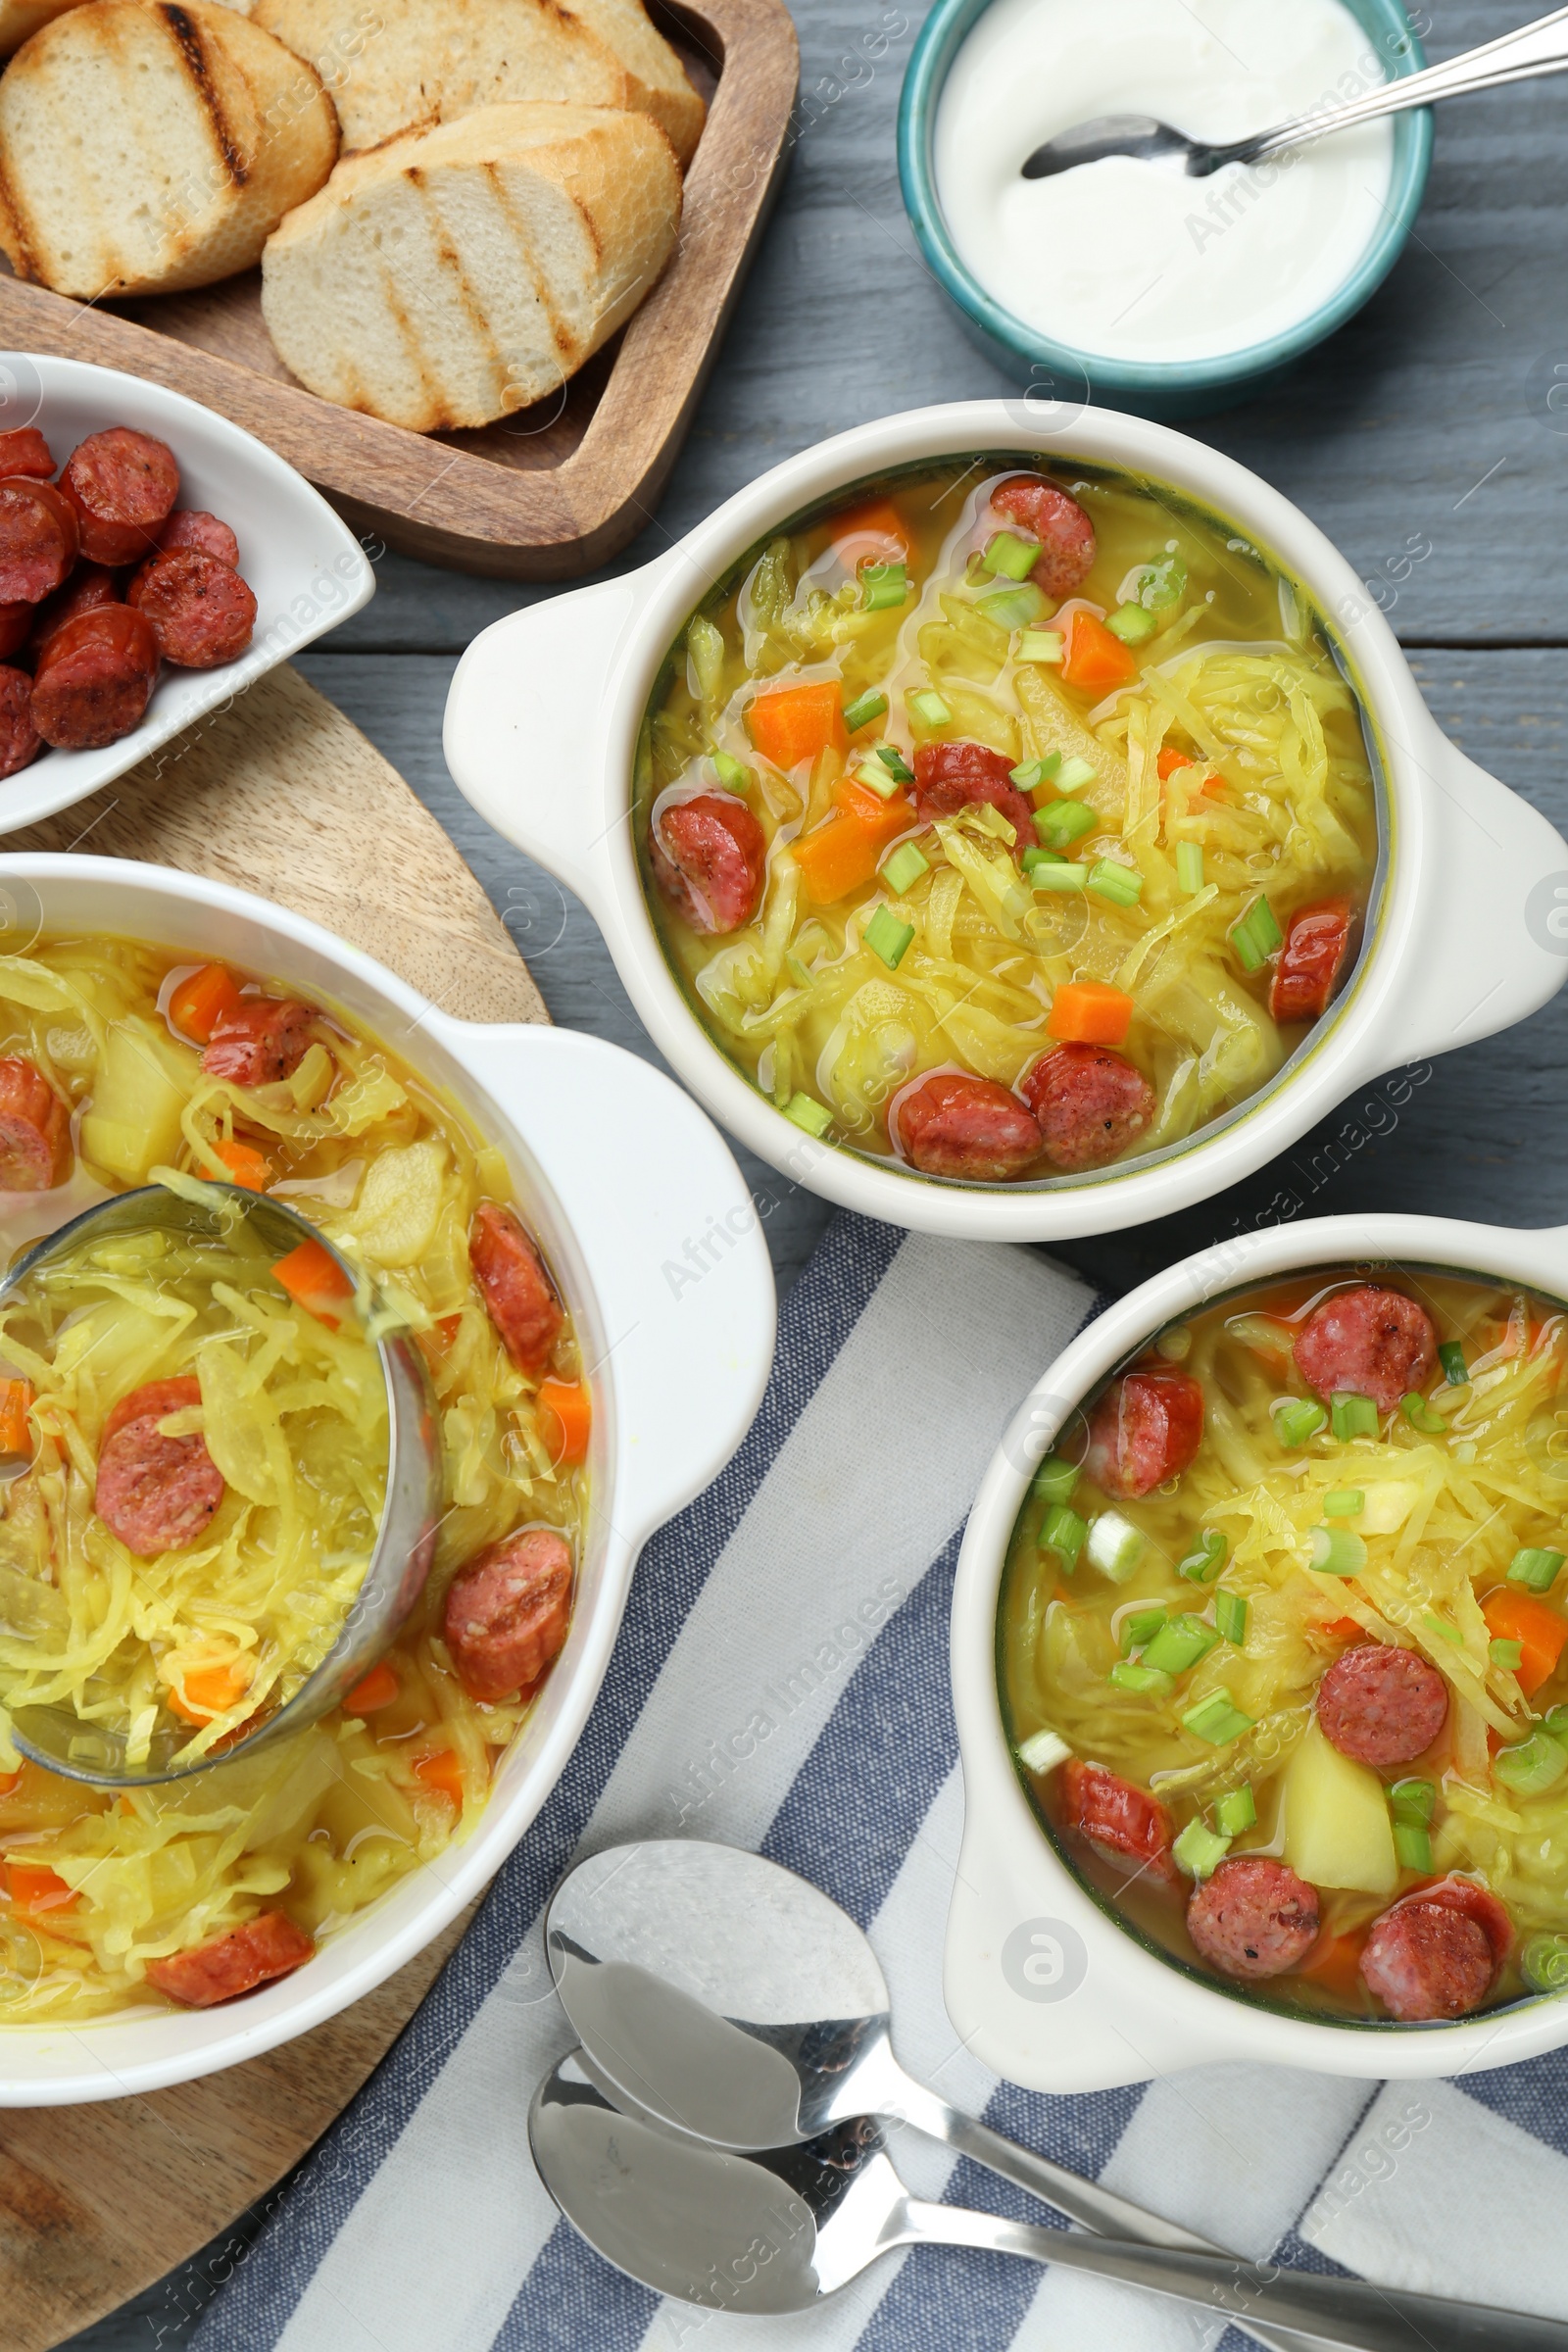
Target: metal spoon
(780, 2231)
(726, 1996)
(1535, 49)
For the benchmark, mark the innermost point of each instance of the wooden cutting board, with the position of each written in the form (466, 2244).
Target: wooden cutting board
(284, 796)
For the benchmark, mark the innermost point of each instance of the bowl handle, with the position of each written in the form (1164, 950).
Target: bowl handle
(524, 728)
(673, 1249)
(1492, 939)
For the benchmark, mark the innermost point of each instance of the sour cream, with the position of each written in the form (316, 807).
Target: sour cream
(1134, 260)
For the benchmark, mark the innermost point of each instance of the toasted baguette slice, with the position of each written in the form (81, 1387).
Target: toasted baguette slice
(457, 274)
(20, 20)
(146, 146)
(429, 61)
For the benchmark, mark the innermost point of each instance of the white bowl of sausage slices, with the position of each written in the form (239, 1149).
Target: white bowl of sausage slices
(1260, 1665)
(154, 560)
(1012, 823)
(151, 1018)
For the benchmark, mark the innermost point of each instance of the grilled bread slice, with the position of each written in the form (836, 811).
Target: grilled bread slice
(20, 20)
(457, 274)
(147, 145)
(407, 63)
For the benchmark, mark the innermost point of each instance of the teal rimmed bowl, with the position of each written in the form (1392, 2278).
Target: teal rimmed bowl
(1060, 371)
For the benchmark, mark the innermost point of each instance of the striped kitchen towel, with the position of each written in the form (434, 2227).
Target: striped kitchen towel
(781, 1682)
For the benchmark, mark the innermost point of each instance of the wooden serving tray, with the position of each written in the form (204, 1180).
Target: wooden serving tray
(281, 796)
(553, 490)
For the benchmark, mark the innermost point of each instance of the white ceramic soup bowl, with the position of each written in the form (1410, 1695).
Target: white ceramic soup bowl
(617, 1171)
(1040, 1980)
(306, 567)
(542, 726)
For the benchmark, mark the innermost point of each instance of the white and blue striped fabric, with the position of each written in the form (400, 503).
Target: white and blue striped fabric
(781, 1682)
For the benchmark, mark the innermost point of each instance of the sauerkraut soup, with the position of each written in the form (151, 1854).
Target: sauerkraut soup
(1282, 1644)
(206, 1466)
(1011, 823)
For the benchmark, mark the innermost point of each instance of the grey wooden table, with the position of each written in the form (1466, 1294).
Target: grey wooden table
(1421, 439)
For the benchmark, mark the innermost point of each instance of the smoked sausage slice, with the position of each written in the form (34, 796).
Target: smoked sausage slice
(123, 485)
(968, 1127)
(265, 1946)
(507, 1612)
(89, 586)
(1090, 1104)
(201, 611)
(39, 540)
(1121, 1821)
(19, 739)
(193, 526)
(1253, 1918)
(34, 1126)
(1382, 1705)
(26, 451)
(708, 857)
(1315, 941)
(155, 1493)
(263, 1040)
(1373, 1342)
(95, 679)
(16, 628)
(1427, 1960)
(1145, 1428)
(1038, 509)
(949, 777)
(517, 1293)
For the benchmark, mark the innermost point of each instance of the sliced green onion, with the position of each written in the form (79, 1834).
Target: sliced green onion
(808, 1113)
(1412, 1843)
(883, 586)
(1297, 1418)
(1536, 1763)
(1555, 1721)
(1417, 1410)
(1256, 935)
(1118, 883)
(1141, 1627)
(894, 762)
(1544, 1963)
(730, 773)
(1161, 583)
(1198, 1850)
(1450, 1356)
(887, 937)
(1030, 774)
(1131, 624)
(904, 868)
(1144, 1679)
(1509, 1656)
(1063, 1532)
(1230, 1615)
(1346, 1503)
(1042, 645)
(1188, 869)
(1015, 608)
(1352, 1416)
(1011, 558)
(1055, 1479)
(1060, 875)
(875, 777)
(1038, 855)
(1536, 1570)
(1074, 773)
(1115, 1545)
(1236, 1810)
(1209, 1555)
(1062, 822)
(1337, 1552)
(1414, 1799)
(1219, 1720)
(1042, 1752)
(929, 708)
(1443, 1629)
(864, 708)
(1179, 1644)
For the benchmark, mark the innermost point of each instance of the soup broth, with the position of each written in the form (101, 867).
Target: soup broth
(1282, 1644)
(1008, 825)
